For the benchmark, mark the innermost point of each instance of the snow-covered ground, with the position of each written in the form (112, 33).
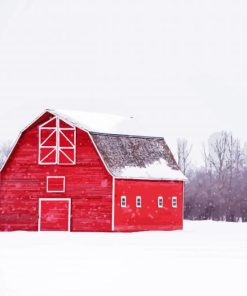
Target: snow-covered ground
(207, 258)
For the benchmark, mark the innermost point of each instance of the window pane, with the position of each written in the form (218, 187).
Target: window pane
(160, 202)
(48, 137)
(123, 201)
(47, 155)
(66, 156)
(174, 202)
(138, 201)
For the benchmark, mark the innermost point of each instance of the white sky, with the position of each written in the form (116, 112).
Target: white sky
(180, 66)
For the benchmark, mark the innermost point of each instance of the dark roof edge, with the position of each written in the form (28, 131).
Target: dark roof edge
(125, 135)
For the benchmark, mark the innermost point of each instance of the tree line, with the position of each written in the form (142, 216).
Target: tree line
(218, 189)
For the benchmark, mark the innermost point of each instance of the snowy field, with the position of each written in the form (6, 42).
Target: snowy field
(207, 258)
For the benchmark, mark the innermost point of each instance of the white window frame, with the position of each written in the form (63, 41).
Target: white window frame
(60, 130)
(160, 198)
(174, 202)
(123, 198)
(42, 144)
(138, 198)
(55, 199)
(55, 177)
(57, 148)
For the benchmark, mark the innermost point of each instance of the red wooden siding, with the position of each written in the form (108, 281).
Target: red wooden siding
(149, 216)
(23, 183)
(54, 215)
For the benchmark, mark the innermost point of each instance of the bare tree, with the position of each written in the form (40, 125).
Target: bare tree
(218, 190)
(183, 153)
(217, 156)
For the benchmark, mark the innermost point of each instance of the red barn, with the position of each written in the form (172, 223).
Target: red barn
(71, 171)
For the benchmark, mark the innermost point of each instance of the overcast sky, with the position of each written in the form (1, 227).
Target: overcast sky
(179, 66)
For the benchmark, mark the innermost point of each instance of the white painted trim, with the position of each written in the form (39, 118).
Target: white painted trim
(140, 198)
(123, 197)
(55, 177)
(174, 202)
(113, 205)
(160, 198)
(55, 199)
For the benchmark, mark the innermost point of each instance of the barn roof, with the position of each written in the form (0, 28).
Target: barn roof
(137, 157)
(124, 154)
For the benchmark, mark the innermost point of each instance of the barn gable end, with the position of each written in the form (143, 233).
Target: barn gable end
(24, 182)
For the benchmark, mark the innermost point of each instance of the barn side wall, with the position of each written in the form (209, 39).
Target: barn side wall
(149, 216)
(23, 182)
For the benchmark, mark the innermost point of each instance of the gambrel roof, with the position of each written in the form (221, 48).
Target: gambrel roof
(137, 157)
(126, 156)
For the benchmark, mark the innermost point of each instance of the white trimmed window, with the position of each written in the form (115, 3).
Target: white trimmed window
(55, 184)
(57, 142)
(138, 201)
(123, 201)
(174, 202)
(160, 201)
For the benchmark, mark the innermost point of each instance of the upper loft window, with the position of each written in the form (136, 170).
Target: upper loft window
(57, 142)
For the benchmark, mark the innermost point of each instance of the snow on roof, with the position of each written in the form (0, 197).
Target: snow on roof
(101, 122)
(157, 170)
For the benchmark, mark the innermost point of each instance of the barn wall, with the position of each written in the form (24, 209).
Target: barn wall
(149, 216)
(23, 182)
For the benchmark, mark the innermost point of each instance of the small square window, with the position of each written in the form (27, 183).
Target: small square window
(174, 202)
(123, 201)
(55, 184)
(138, 201)
(160, 202)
